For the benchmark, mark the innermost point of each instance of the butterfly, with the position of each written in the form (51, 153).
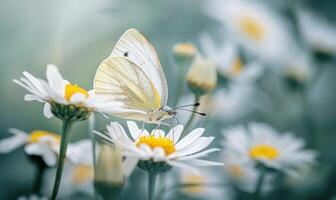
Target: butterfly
(133, 77)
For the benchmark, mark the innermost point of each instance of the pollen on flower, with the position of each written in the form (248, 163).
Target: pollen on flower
(252, 27)
(73, 89)
(165, 143)
(264, 151)
(35, 136)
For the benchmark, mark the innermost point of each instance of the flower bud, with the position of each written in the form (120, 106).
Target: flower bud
(184, 53)
(109, 178)
(202, 76)
(185, 50)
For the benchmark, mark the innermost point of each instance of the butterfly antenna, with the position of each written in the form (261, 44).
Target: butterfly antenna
(193, 111)
(188, 105)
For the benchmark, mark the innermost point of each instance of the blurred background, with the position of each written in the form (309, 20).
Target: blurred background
(77, 35)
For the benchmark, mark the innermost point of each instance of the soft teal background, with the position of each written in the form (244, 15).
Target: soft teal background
(77, 35)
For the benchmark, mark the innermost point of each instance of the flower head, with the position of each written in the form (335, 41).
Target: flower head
(202, 76)
(158, 151)
(185, 50)
(62, 99)
(38, 143)
(259, 143)
(255, 26)
(228, 62)
(317, 31)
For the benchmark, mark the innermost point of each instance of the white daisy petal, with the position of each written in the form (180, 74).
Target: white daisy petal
(190, 138)
(175, 133)
(47, 110)
(133, 129)
(9, 144)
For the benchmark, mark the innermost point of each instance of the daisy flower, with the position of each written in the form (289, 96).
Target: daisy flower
(243, 175)
(322, 37)
(259, 143)
(158, 151)
(255, 26)
(38, 143)
(236, 101)
(208, 184)
(299, 68)
(228, 61)
(62, 99)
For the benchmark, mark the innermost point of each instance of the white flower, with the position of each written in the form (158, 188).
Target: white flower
(39, 143)
(237, 101)
(208, 184)
(255, 26)
(161, 148)
(299, 67)
(261, 143)
(46, 144)
(244, 175)
(60, 91)
(228, 61)
(317, 32)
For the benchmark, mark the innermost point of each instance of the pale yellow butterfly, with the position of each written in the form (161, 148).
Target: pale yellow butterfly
(132, 75)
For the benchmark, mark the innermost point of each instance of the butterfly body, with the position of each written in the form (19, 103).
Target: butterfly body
(133, 77)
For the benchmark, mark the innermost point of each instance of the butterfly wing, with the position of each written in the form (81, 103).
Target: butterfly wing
(135, 47)
(128, 86)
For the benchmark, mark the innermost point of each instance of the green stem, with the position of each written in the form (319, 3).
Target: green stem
(191, 118)
(257, 192)
(62, 154)
(151, 185)
(41, 167)
(308, 126)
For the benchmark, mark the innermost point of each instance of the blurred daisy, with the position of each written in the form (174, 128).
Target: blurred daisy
(56, 92)
(299, 68)
(255, 26)
(38, 143)
(241, 174)
(322, 37)
(237, 101)
(228, 61)
(208, 184)
(259, 143)
(160, 151)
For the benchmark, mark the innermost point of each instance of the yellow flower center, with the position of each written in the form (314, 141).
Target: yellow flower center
(252, 27)
(35, 136)
(73, 89)
(235, 170)
(165, 143)
(264, 151)
(237, 67)
(193, 179)
(82, 174)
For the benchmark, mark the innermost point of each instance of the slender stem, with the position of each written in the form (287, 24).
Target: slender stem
(40, 169)
(308, 125)
(93, 138)
(62, 154)
(190, 120)
(257, 192)
(151, 185)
